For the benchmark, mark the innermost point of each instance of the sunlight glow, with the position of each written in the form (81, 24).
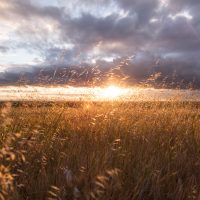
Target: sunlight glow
(112, 92)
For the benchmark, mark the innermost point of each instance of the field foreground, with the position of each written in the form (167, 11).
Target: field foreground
(114, 150)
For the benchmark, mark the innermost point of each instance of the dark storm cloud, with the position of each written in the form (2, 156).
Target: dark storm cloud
(142, 9)
(87, 30)
(178, 36)
(146, 70)
(184, 4)
(153, 32)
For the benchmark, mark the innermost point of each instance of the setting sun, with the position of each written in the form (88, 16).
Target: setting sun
(113, 92)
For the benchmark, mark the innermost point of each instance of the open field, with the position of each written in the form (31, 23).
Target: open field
(113, 150)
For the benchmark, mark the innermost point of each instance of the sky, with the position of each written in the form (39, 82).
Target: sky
(156, 36)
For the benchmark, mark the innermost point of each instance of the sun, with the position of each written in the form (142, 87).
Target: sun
(112, 92)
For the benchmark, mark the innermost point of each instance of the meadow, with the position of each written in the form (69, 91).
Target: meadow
(108, 150)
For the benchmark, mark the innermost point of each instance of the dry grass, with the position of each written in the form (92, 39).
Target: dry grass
(100, 151)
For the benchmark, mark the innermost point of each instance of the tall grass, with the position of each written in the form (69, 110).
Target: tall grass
(110, 150)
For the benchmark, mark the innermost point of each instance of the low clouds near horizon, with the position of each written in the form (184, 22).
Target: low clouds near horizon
(160, 36)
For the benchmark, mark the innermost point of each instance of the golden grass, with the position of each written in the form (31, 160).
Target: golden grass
(100, 151)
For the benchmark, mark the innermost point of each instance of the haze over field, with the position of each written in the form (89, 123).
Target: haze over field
(111, 93)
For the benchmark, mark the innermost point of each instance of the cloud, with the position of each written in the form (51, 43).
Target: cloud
(143, 9)
(70, 33)
(140, 70)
